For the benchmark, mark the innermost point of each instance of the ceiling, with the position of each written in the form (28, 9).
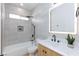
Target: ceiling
(27, 6)
(30, 6)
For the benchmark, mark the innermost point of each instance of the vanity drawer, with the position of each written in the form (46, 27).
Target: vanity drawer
(44, 51)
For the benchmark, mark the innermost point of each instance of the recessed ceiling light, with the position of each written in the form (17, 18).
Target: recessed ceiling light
(21, 4)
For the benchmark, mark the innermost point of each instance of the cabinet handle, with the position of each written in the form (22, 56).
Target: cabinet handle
(45, 52)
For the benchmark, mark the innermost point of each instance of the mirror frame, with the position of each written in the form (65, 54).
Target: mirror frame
(75, 21)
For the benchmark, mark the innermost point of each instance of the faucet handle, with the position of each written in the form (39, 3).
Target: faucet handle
(51, 39)
(58, 41)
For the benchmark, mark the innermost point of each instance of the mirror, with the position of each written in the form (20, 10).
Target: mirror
(62, 19)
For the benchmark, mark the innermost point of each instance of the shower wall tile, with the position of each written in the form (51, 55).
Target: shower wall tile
(11, 35)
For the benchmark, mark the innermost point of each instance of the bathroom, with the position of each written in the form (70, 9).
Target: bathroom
(26, 29)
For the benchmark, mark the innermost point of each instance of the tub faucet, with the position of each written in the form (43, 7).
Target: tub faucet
(54, 37)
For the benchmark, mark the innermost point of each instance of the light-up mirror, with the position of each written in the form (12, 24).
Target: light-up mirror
(62, 19)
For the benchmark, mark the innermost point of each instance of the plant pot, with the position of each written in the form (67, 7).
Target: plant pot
(70, 45)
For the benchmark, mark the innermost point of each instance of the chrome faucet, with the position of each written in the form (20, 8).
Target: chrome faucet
(54, 37)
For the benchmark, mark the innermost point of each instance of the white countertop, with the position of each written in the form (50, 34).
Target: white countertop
(61, 48)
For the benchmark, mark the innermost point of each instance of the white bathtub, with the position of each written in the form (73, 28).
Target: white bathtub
(18, 49)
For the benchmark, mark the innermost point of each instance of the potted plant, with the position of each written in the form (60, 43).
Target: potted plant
(70, 41)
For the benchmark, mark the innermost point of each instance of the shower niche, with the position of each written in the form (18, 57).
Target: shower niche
(20, 28)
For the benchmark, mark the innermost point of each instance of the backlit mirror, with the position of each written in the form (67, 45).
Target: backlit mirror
(62, 19)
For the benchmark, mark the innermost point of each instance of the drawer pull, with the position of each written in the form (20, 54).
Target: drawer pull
(45, 52)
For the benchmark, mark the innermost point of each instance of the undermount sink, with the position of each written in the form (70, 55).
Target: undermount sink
(54, 43)
(58, 42)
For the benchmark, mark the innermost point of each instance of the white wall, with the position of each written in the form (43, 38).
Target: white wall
(10, 33)
(41, 20)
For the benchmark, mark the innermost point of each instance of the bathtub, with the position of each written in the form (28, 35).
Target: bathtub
(20, 49)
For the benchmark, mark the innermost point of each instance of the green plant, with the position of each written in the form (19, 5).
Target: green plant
(70, 40)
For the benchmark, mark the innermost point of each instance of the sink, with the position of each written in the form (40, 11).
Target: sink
(56, 44)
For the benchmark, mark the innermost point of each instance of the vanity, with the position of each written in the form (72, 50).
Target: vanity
(44, 51)
(48, 48)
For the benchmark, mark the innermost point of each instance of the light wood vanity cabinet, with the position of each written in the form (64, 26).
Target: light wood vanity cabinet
(44, 51)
